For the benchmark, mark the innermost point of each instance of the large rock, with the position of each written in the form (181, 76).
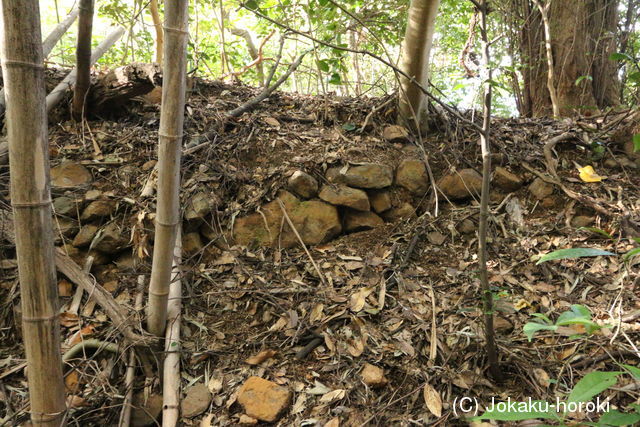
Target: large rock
(461, 185)
(98, 209)
(64, 226)
(192, 243)
(540, 189)
(263, 400)
(368, 175)
(198, 207)
(380, 201)
(70, 175)
(303, 184)
(395, 134)
(146, 410)
(358, 220)
(262, 229)
(111, 239)
(342, 195)
(404, 211)
(316, 222)
(412, 175)
(65, 206)
(196, 401)
(506, 180)
(85, 236)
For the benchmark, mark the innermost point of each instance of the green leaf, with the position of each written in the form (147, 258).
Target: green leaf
(631, 254)
(251, 4)
(323, 65)
(633, 370)
(636, 142)
(335, 79)
(634, 77)
(348, 127)
(617, 418)
(591, 385)
(619, 56)
(516, 415)
(572, 253)
(530, 328)
(598, 231)
(581, 78)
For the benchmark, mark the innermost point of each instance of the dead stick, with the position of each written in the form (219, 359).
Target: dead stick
(268, 91)
(74, 273)
(586, 200)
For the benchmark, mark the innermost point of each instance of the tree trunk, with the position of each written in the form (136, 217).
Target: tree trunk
(582, 37)
(157, 24)
(83, 59)
(31, 202)
(169, 145)
(415, 60)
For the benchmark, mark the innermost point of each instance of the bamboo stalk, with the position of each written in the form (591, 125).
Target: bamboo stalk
(31, 201)
(83, 59)
(157, 24)
(56, 34)
(48, 44)
(172, 347)
(169, 144)
(59, 91)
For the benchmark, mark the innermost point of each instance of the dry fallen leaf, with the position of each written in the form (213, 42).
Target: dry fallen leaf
(260, 357)
(316, 313)
(334, 395)
(358, 299)
(433, 400)
(588, 174)
(541, 377)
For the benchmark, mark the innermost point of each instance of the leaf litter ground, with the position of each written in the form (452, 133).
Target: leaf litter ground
(403, 297)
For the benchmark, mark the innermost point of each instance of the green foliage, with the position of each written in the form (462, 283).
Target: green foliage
(578, 315)
(572, 253)
(590, 386)
(636, 142)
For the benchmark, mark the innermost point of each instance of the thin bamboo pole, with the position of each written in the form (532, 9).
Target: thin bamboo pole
(169, 144)
(83, 59)
(31, 201)
(59, 91)
(172, 346)
(157, 24)
(48, 44)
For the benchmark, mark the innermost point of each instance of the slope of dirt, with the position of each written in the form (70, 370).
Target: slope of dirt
(403, 296)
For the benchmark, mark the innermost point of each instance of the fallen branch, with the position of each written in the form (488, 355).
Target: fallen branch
(585, 200)
(548, 153)
(249, 105)
(69, 268)
(59, 91)
(125, 415)
(48, 44)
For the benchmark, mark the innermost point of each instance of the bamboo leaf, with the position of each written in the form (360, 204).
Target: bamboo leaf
(572, 253)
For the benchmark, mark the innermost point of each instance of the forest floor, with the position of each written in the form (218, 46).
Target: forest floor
(403, 296)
